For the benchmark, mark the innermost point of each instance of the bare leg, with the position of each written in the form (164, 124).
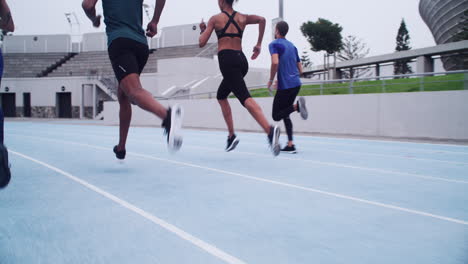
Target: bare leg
(130, 89)
(227, 114)
(257, 114)
(131, 86)
(125, 116)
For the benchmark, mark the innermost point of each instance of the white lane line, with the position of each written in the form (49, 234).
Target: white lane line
(332, 164)
(214, 251)
(329, 164)
(316, 142)
(337, 195)
(363, 153)
(381, 155)
(342, 142)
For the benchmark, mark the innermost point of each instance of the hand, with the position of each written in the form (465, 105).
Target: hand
(152, 29)
(271, 87)
(202, 27)
(97, 21)
(256, 51)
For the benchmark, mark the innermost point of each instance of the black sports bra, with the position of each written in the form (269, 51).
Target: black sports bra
(222, 33)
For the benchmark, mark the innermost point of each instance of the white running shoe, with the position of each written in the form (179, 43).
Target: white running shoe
(273, 139)
(173, 126)
(301, 104)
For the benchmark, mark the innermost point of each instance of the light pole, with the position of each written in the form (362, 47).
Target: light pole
(278, 19)
(281, 9)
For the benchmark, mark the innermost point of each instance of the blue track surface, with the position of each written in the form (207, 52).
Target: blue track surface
(337, 201)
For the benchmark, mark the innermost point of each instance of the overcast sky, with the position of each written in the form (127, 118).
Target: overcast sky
(376, 22)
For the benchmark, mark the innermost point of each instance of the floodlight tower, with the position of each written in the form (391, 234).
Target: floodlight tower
(75, 31)
(148, 10)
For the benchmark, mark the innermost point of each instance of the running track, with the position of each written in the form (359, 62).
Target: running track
(337, 201)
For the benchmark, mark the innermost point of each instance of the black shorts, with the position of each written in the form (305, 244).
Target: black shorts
(127, 56)
(283, 103)
(234, 66)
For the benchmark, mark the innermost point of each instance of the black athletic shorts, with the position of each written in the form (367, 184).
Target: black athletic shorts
(283, 103)
(234, 66)
(127, 56)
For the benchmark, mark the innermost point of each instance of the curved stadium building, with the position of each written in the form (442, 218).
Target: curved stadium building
(444, 17)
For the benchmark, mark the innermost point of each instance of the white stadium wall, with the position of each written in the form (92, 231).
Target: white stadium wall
(94, 42)
(43, 93)
(169, 37)
(98, 42)
(43, 90)
(422, 115)
(37, 44)
(182, 35)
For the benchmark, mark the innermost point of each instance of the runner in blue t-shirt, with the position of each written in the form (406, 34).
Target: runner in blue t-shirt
(128, 53)
(286, 63)
(6, 24)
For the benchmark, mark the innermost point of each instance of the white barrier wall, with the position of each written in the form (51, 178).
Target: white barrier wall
(430, 115)
(37, 44)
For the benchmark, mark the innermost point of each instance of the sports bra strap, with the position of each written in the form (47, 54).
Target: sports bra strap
(222, 33)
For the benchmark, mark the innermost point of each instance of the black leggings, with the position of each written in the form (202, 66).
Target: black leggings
(234, 66)
(283, 106)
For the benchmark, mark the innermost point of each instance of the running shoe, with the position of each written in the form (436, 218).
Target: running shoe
(273, 139)
(290, 150)
(5, 173)
(301, 108)
(119, 154)
(172, 127)
(232, 143)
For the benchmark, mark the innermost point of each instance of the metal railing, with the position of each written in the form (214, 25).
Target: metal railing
(418, 82)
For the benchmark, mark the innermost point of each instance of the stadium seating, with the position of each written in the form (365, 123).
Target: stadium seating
(97, 62)
(22, 65)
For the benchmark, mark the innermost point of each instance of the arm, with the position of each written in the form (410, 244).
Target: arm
(254, 19)
(89, 7)
(273, 68)
(299, 67)
(152, 28)
(6, 20)
(206, 31)
(299, 63)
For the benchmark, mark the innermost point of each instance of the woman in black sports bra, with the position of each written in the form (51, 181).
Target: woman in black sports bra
(229, 26)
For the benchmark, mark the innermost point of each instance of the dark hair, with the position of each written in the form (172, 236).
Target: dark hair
(230, 2)
(282, 28)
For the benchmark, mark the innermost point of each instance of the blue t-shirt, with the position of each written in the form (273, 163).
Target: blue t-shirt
(124, 19)
(1, 65)
(288, 73)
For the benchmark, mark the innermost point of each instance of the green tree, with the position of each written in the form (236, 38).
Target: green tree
(323, 35)
(402, 44)
(353, 49)
(305, 60)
